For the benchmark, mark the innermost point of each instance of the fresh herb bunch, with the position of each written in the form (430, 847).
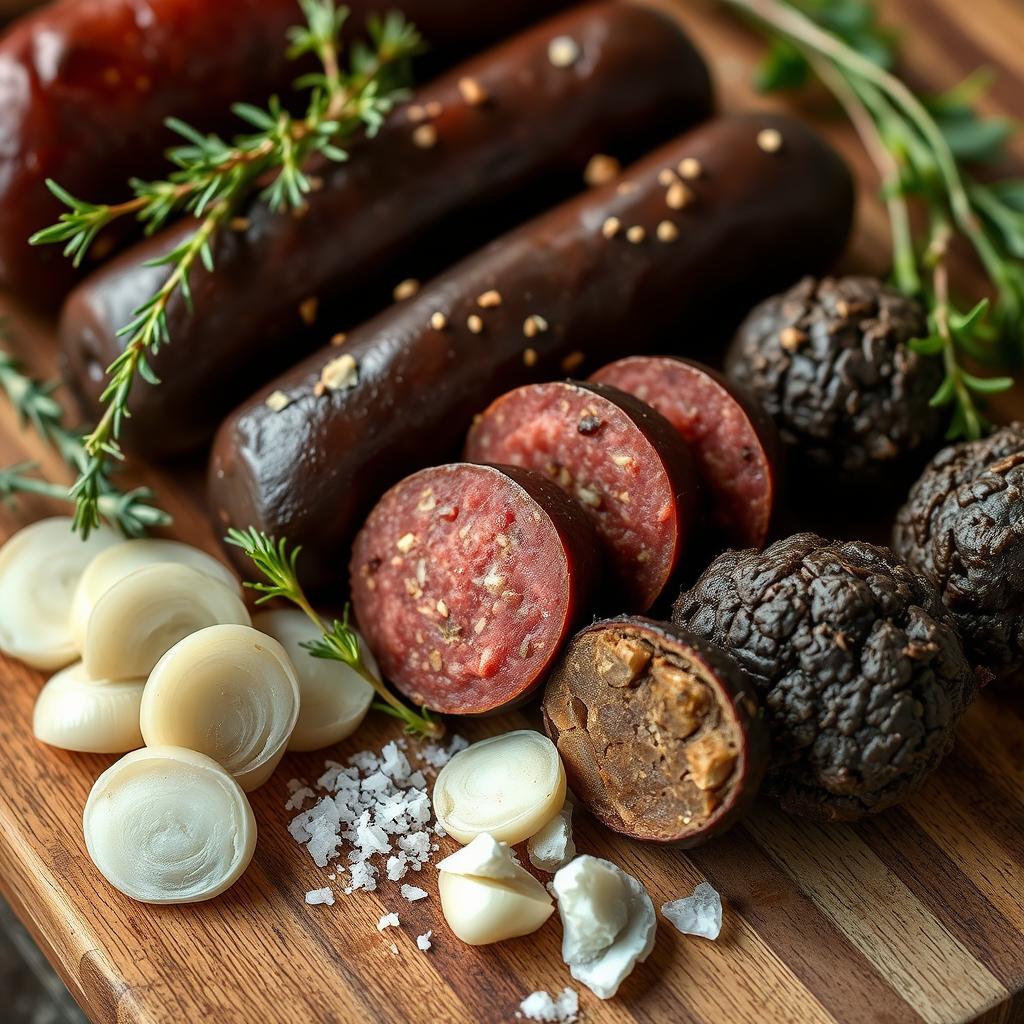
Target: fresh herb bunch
(919, 146)
(338, 641)
(213, 176)
(38, 409)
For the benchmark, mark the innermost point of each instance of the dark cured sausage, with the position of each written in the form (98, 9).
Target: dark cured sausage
(660, 732)
(621, 461)
(416, 374)
(637, 80)
(733, 443)
(466, 580)
(85, 86)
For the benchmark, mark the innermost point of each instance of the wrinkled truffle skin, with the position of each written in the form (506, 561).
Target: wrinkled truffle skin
(828, 361)
(963, 527)
(857, 660)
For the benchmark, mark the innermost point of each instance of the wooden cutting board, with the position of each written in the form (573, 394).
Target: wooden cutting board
(915, 915)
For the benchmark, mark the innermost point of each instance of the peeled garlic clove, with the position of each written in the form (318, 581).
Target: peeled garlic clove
(228, 691)
(147, 612)
(334, 698)
(608, 922)
(509, 785)
(118, 561)
(39, 569)
(169, 825)
(95, 716)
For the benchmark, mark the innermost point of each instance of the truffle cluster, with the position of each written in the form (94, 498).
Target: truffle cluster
(963, 527)
(857, 661)
(829, 362)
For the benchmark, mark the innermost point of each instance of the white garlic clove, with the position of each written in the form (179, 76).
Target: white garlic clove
(509, 786)
(147, 612)
(487, 897)
(118, 561)
(228, 691)
(608, 922)
(39, 569)
(334, 698)
(94, 716)
(169, 825)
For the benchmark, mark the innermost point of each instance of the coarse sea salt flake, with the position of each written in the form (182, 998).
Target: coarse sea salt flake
(413, 893)
(316, 897)
(387, 921)
(298, 798)
(699, 914)
(423, 941)
(562, 1009)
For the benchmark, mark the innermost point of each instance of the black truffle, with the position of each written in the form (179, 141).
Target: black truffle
(829, 362)
(857, 661)
(963, 527)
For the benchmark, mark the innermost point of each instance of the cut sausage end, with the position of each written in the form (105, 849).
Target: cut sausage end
(618, 459)
(661, 735)
(466, 580)
(733, 443)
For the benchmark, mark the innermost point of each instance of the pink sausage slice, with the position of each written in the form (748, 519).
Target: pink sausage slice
(466, 581)
(624, 464)
(734, 444)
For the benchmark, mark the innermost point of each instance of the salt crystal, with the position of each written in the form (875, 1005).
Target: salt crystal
(298, 798)
(438, 756)
(699, 914)
(394, 763)
(423, 941)
(394, 949)
(563, 1009)
(553, 847)
(413, 893)
(315, 897)
(397, 867)
(387, 921)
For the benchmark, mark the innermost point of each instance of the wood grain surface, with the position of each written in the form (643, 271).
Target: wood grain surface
(915, 915)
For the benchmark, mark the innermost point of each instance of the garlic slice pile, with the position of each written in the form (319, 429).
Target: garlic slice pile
(147, 612)
(334, 698)
(228, 691)
(487, 897)
(509, 786)
(168, 825)
(39, 570)
(75, 712)
(112, 565)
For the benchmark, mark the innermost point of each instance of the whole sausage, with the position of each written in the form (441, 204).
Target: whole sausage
(467, 579)
(624, 464)
(660, 732)
(734, 444)
(508, 121)
(85, 87)
(597, 277)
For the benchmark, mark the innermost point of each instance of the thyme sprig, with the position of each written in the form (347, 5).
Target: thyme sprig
(33, 400)
(277, 562)
(919, 146)
(213, 176)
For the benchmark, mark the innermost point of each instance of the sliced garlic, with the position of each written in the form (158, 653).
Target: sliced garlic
(487, 897)
(96, 716)
(334, 698)
(118, 561)
(228, 691)
(608, 922)
(509, 786)
(39, 569)
(169, 825)
(147, 612)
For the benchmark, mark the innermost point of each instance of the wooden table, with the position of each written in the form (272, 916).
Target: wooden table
(915, 915)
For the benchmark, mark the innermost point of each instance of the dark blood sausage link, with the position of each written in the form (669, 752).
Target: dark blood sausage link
(734, 444)
(467, 579)
(85, 87)
(660, 732)
(416, 374)
(623, 463)
(509, 120)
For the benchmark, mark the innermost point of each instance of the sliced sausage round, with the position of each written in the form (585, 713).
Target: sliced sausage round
(466, 581)
(661, 734)
(622, 462)
(734, 444)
